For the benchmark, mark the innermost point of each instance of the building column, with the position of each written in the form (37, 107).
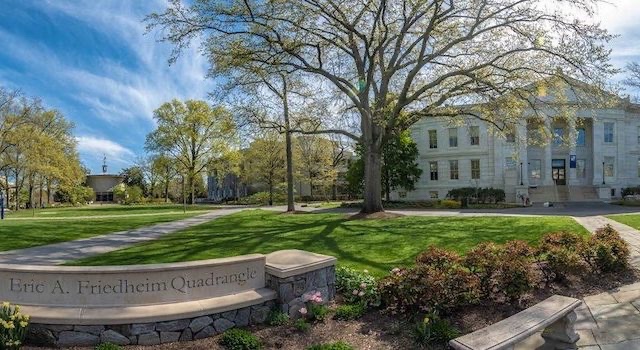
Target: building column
(598, 157)
(547, 178)
(521, 138)
(573, 135)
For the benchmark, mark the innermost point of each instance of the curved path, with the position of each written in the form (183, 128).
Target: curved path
(59, 253)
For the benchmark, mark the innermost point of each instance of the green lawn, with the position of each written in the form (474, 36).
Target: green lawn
(107, 209)
(376, 245)
(629, 220)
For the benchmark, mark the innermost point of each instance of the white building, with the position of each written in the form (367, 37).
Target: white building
(592, 155)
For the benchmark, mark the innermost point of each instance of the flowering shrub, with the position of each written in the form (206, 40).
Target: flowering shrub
(561, 254)
(357, 287)
(606, 251)
(13, 327)
(315, 310)
(484, 262)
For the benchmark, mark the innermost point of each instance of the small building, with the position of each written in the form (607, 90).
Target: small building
(104, 183)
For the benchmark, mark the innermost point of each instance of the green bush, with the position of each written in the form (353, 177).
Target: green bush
(477, 194)
(484, 262)
(433, 330)
(108, 346)
(240, 339)
(606, 251)
(262, 198)
(631, 191)
(277, 318)
(14, 327)
(350, 312)
(318, 312)
(302, 325)
(332, 346)
(561, 254)
(449, 204)
(357, 287)
(517, 274)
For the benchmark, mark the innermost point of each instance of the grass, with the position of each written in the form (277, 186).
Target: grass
(106, 209)
(632, 220)
(18, 234)
(376, 245)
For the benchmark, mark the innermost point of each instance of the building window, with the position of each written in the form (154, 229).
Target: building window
(453, 137)
(402, 194)
(558, 134)
(509, 163)
(453, 170)
(608, 132)
(535, 169)
(433, 170)
(475, 168)
(474, 135)
(433, 194)
(433, 139)
(609, 166)
(581, 138)
(581, 167)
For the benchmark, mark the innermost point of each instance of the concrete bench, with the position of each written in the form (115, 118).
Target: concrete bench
(555, 315)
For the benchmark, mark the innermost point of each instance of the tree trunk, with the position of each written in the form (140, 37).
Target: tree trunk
(372, 181)
(270, 194)
(289, 152)
(310, 190)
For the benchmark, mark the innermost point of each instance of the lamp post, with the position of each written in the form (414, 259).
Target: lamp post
(603, 173)
(521, 182)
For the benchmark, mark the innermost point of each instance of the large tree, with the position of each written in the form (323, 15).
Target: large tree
(265, 162)
(634, 75)
(391, 63)
(193, 133)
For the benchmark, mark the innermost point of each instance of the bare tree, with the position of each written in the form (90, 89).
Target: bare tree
(393, 62)
(634, 75)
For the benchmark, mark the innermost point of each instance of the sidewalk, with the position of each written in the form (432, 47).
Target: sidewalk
(59, 253)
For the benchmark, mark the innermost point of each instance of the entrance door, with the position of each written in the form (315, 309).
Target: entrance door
(559, 171)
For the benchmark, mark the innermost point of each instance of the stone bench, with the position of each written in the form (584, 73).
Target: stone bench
(555, 315)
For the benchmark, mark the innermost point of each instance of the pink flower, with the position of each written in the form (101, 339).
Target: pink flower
(355, 292)
(395, 270)
(303, 311)
(360, 294)
(363, 285)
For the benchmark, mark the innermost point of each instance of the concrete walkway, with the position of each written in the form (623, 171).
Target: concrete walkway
(59, 253)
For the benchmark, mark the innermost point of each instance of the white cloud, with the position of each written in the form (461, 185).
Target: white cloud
(95, 149)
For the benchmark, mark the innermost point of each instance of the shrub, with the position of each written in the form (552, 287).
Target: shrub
(516, 276)
(350, 312)
(438, 258)
(631, 191)
(484, 262)
(277, 318)
(435, 286)
(606, 251)
(14, 326)
(332, 346)
(301, 325)
(357, 287)
(318, 312)
(240, 339)
(433, 329)
(478, 195)
(561, 253)
(449, 204)
(108, 346)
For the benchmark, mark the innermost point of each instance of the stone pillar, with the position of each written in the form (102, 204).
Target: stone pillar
(547, 178)
(296, 274)
(598, 156)
(522, 153)
(562, 334)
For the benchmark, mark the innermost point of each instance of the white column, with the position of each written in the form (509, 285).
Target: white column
(573, 134)
(547, 178)
(598, 157)
(521, 139)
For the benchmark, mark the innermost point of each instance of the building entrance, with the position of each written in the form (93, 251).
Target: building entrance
(559, 171)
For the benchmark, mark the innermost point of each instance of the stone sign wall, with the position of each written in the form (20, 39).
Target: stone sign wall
(130, 285)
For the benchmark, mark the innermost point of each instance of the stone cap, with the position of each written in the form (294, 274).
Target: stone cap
(292, 262)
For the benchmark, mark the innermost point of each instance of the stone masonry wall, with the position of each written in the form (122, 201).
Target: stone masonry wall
(291, 290)
(148, 333)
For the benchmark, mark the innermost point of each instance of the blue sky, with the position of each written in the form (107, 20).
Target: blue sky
(90, 60)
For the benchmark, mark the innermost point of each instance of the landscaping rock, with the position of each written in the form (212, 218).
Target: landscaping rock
(320, 278)
(186, 335)
(96, 330)
(58, 328)
(149, 339)
(222, 324)
(172, 326)
(199, 323)
(169, 337)
(206, 332)
(242, 317)
(141, 328)
(299, 288)
(230, 315)
(39, 335)
(111, 336)
(285, 292)
(259, 314)
(71, 338)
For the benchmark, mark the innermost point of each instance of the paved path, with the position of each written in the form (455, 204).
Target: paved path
(59, 253)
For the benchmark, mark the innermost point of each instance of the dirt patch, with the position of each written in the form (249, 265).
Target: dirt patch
(378, 215)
